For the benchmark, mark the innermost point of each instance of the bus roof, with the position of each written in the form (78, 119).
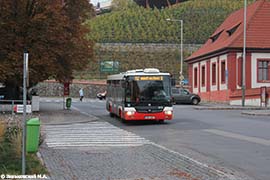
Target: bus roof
(138, 72)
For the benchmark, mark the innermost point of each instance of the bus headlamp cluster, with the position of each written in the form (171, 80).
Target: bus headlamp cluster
(168, 112)
(130, 113)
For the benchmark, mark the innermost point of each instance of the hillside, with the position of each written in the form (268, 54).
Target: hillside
(148, 40)
(138, 24)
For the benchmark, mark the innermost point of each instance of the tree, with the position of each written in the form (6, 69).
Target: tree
(51, 32)
(78, 49)
(147, 4)
(168, 3)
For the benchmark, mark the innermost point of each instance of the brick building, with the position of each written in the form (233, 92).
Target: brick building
(215, 70)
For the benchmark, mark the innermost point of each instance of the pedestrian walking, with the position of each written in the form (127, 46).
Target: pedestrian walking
(81, 94)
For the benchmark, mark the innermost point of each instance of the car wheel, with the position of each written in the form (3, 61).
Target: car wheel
(195, 101)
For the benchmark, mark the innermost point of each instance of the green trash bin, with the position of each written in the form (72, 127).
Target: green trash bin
(32, 137)
(68, 103)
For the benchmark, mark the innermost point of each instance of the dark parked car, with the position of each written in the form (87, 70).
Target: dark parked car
(180, 95)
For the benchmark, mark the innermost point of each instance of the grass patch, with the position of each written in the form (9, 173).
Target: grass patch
(11, 152)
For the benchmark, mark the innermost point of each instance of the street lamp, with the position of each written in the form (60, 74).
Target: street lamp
(181, 53)
(244, 55)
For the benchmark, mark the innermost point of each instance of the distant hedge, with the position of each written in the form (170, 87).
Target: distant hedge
(138, 24)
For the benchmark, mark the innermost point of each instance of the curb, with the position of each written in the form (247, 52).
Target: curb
(255, 114)
(40, 158)
(230, 108)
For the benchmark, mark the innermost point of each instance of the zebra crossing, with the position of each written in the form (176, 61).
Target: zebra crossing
(93, 134)
(103, 134)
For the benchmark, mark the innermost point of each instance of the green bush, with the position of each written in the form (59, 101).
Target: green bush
(10, 153)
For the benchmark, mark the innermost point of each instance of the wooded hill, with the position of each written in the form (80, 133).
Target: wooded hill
(138, 24)
(132, 24)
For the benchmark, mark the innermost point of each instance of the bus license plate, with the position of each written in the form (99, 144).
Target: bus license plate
(149, 117)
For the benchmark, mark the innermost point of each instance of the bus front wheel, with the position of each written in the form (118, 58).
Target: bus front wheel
(123, 120)
(111, 114)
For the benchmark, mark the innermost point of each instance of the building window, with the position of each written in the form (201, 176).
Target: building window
(215, 37)
(263, 70)
(239, 70)
(223, 72)
(232, 30)
(214, 74)
(195, 77)
(203, 75)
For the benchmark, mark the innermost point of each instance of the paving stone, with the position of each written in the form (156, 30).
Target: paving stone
(145, 161)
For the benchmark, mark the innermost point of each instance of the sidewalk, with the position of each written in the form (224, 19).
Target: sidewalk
(60, 99)
(52, 113)
(246, 110)
(257, 112)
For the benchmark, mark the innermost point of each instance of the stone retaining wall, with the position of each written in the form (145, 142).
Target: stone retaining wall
(148, 46)
(55, 89)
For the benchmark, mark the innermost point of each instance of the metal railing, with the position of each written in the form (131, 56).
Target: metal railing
(8, 105)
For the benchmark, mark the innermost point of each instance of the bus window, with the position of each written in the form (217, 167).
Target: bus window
(128, 95)
(173, 82)
(128, 91)
(146, 90)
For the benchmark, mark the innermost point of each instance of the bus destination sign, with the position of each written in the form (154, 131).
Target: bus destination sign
(148, 78)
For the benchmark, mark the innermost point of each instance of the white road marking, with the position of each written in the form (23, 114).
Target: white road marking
(256, 140)
(103, 134)
(93, 134)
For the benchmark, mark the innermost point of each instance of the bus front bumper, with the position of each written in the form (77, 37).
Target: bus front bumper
(164, 115)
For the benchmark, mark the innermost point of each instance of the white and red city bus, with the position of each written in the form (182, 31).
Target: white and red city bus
(142, 94)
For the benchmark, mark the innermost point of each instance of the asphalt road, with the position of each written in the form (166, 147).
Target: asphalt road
(226, 139)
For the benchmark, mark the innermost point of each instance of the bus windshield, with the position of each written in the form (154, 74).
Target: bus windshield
(148, 89)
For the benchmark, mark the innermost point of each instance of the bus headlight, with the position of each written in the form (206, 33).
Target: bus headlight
(130, 113)
(168, 112)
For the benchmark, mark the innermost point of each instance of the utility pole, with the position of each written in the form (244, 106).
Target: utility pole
(181, 49)
(244, 55)
(25, 72)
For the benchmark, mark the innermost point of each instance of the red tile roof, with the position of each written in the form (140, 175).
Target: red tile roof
(258, 31)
